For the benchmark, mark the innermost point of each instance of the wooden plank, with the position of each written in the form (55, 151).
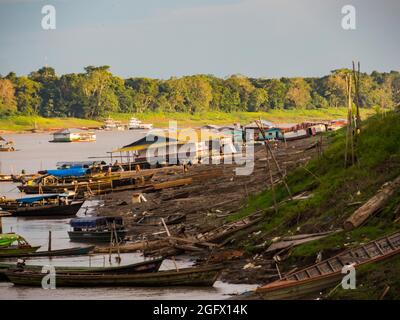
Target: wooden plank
(173, 183)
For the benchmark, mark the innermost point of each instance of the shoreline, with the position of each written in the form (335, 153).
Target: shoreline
(36, 124)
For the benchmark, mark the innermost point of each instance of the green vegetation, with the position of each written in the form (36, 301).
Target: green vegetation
(334, 188)
(97, 93)
(24, 123)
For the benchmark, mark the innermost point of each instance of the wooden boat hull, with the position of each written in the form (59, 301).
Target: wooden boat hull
(204, 277)
(16, 252)
(95, 237)
(44, 211)
(6, 178)
(141, 267)
(290, 288)
(94, 187)
(54, 253)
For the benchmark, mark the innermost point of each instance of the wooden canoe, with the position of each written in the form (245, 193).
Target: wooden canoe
(17, 251)
(147, 266)
(201, 276)
(53, 253)
(47, 210)
(311, 280)
(156, 220)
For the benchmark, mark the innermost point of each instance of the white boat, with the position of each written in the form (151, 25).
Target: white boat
(295, 134)
(73, 135)
(110, 124)
(135, 124)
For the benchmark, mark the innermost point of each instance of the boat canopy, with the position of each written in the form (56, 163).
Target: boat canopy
(40, 197)
(6, 239)
(160, 139)
(71, 172)
(78, 164)
(93, 222)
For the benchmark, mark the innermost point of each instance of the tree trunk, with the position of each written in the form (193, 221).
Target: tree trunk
(372, 205)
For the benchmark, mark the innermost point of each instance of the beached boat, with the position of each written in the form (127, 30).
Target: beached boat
(48, 205)
(328, 273)
(12, 244)
(156, 220)
(105, 184)
(147, 266)
(199, 276)
(73, 135)
(96, 229)
(6, 178)
(6, 146)
(78, 251)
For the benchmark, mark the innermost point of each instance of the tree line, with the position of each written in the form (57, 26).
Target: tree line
(97, 92)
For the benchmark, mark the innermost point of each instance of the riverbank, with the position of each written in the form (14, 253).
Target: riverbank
(23, 124)
(20, 124)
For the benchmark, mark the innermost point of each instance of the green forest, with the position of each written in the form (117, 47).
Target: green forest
(96, 93)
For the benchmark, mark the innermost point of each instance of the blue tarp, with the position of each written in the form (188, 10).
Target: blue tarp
(72, 172)
(93, 222)
(88, 222)
(36, 198)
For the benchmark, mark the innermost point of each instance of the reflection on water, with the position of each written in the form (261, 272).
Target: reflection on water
(36, 153)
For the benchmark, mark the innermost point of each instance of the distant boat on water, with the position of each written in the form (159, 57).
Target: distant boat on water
(6, 146)
(111, 124)
(135, 124)
(73, 135)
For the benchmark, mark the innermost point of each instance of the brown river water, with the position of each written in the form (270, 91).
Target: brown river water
(36, 153)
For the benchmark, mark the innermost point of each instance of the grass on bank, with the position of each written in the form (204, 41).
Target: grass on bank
(335, 189)
(223, 118)
(26, 123)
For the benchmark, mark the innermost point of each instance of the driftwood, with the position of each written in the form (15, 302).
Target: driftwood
(297, 240)
(372, 205)
(171, 184)
(132, 247)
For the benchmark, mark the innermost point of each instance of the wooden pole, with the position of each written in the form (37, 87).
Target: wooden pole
(268, 149)
(350, 129)
(116, 242)
(169, 236)
(1, 225)
(49, 244)
(111, 244)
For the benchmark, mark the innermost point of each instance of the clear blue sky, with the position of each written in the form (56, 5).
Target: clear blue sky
(164, 38)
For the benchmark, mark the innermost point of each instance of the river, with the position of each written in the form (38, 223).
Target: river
(35, 153)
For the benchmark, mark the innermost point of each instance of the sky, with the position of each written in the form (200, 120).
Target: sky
(165, 38)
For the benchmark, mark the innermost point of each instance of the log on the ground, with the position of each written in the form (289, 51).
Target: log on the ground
(372, 205)
(172, 184)
(132, 247)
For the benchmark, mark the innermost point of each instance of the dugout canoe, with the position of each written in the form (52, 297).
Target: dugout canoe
(193, 277)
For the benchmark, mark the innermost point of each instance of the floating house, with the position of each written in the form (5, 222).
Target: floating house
(253, 126)
(73, 135)
(135, 124)
(110, 124)
(271, 134)
(180, 146)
